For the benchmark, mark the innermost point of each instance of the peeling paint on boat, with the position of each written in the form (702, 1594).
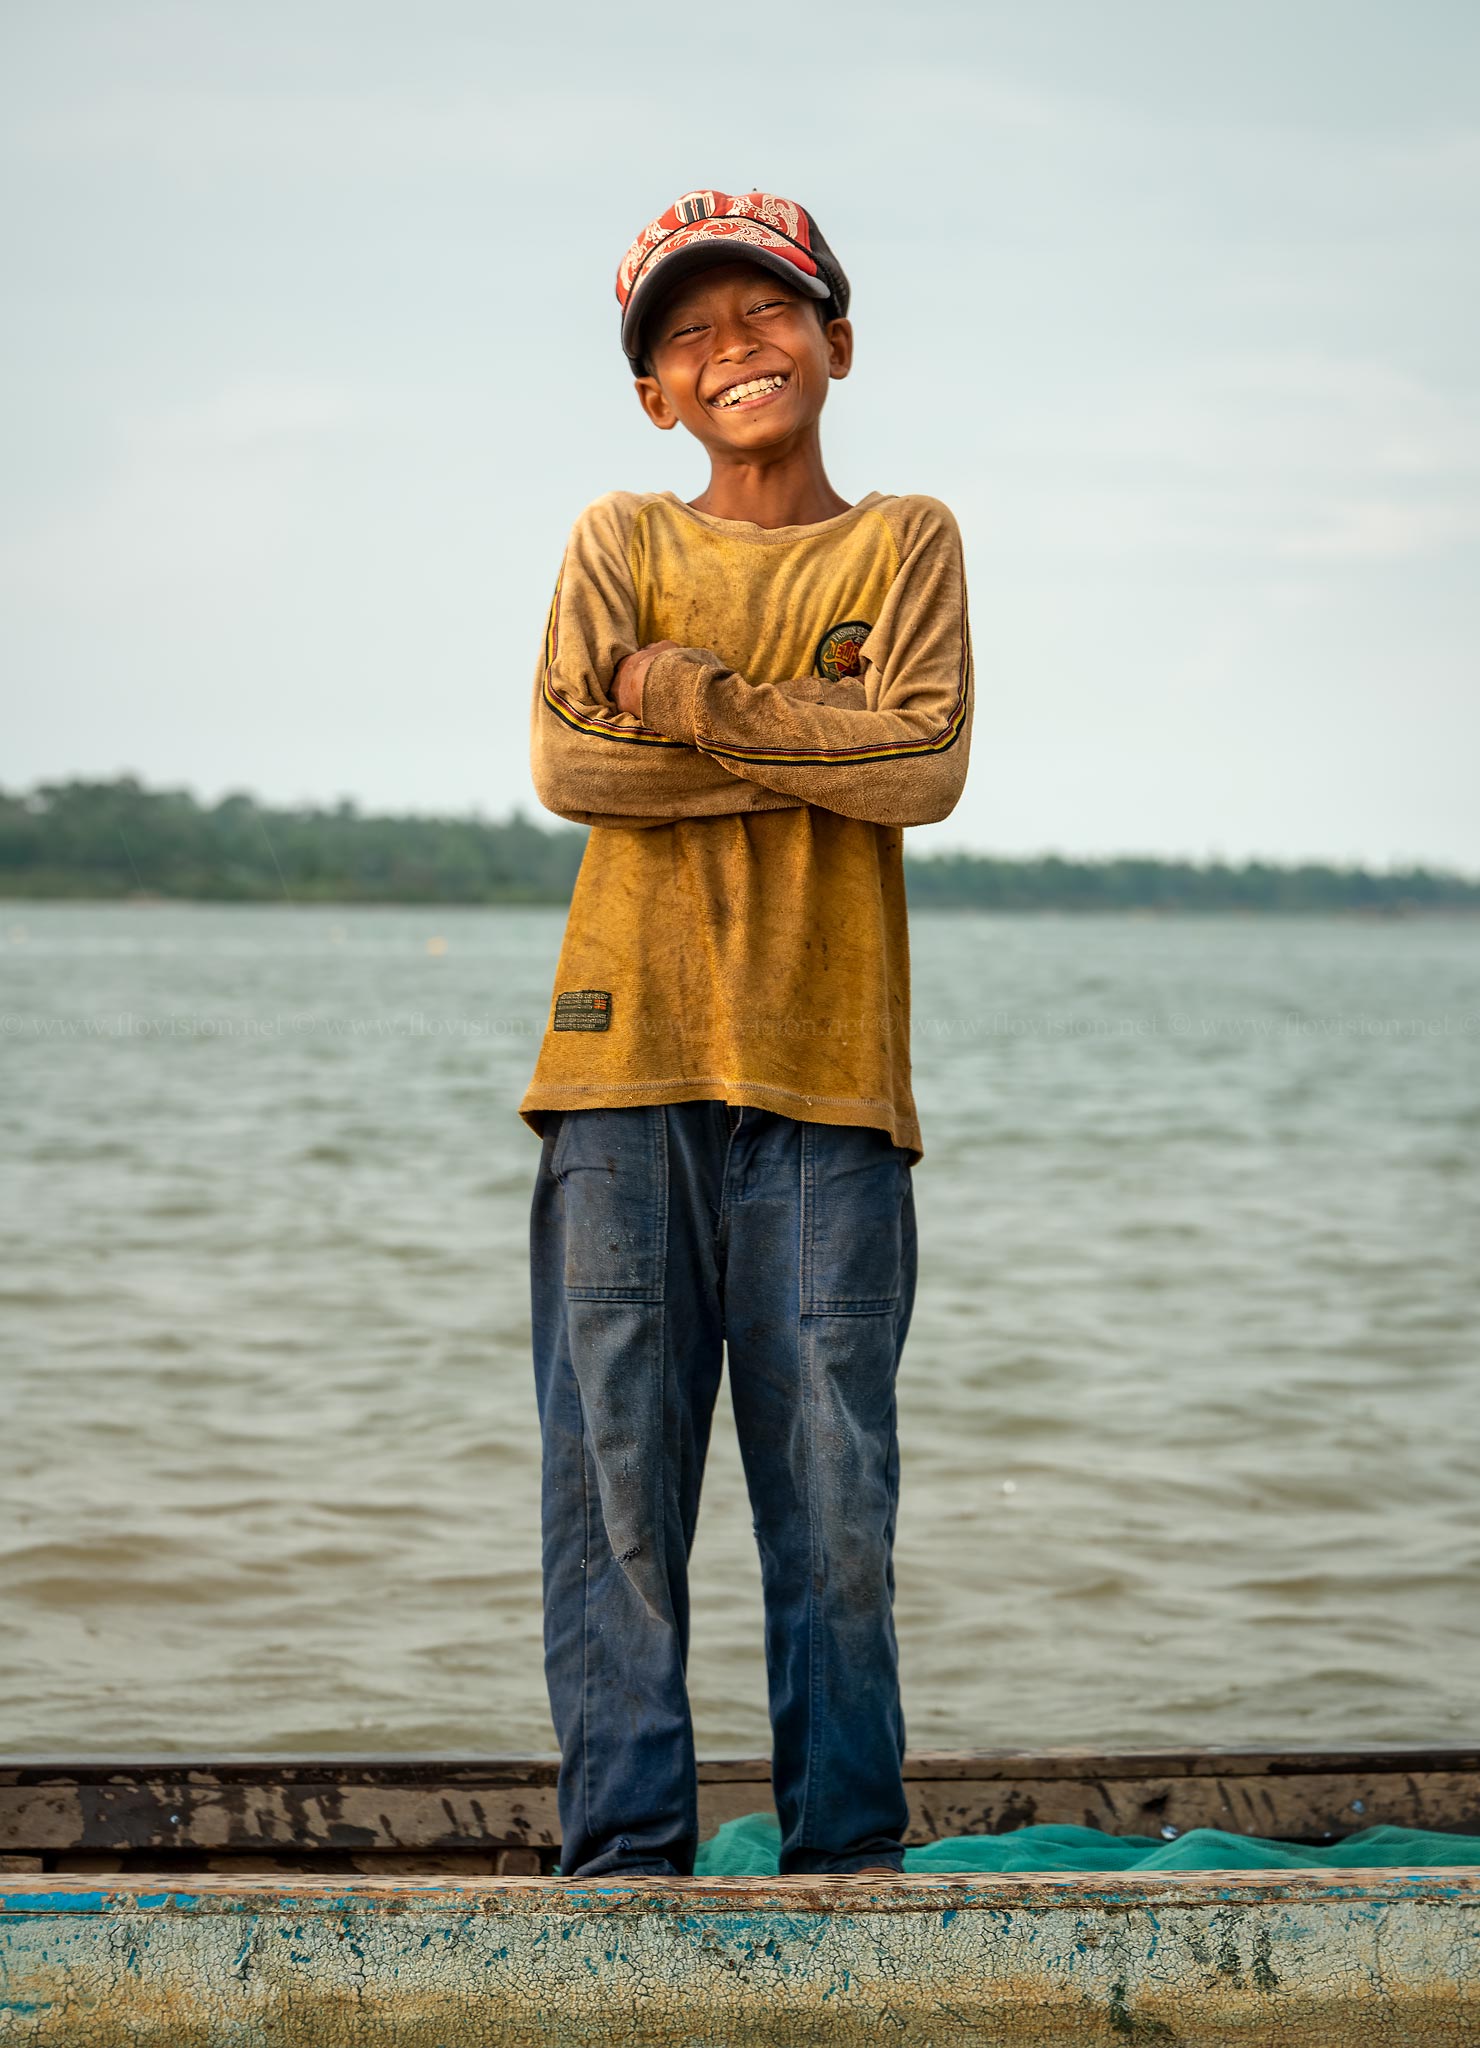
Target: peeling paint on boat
(1206, 1959)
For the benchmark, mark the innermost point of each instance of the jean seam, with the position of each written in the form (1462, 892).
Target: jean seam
(585, 1626)
(724, 1181)
(658, 1218)
(804, 1349)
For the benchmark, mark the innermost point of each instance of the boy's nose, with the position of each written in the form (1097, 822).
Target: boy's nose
(734, 343)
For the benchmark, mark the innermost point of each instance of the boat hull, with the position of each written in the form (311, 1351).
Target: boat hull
(327, 1903)
(1204, 1960)
(496, 1815)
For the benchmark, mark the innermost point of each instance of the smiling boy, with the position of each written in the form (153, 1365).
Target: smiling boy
(747, 697)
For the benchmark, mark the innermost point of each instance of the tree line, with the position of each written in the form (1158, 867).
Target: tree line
(118, 839)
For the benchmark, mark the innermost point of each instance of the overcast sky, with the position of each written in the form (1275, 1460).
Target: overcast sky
(311, 359)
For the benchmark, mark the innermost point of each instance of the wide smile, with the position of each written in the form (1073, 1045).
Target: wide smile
(749, 392)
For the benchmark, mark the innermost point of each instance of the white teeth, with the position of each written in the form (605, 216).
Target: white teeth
(753, 389)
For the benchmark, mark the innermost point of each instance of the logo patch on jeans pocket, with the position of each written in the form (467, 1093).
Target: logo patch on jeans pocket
(583, 1009)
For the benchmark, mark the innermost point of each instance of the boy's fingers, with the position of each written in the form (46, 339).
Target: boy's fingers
(639, 658)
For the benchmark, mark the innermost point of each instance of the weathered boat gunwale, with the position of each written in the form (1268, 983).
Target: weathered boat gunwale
(496, 1814)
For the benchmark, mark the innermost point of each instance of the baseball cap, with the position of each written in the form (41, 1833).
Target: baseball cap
(703, 228)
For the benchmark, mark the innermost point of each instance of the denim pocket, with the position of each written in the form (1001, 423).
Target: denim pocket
(613, 1167)
(556, 1122)
(853, 1189)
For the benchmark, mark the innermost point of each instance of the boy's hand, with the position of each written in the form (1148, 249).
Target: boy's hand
(632, 674)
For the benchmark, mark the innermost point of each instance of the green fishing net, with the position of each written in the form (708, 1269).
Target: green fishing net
(751, 1847)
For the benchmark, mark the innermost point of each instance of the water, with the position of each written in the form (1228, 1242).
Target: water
(1191, 1432)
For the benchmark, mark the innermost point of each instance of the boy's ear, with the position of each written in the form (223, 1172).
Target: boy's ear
(839, 347)
(654, 402)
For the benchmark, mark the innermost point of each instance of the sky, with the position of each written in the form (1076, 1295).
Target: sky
(311, 358)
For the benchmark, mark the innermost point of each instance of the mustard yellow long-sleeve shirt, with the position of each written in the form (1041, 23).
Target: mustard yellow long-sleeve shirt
(738, 928)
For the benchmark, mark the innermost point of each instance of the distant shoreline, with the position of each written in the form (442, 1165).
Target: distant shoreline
(118, 842)
(1379, 913)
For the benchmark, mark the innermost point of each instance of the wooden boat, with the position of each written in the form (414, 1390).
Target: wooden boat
(405, 1902)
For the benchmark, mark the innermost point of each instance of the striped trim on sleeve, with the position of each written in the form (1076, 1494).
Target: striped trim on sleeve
(571, 714)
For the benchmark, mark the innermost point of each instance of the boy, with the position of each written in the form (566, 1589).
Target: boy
(746, 697)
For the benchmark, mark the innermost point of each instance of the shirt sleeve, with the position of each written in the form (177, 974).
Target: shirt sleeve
(897, 758)
(592, 763)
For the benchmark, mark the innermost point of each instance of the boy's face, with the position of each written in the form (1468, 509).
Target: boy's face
(735, 325)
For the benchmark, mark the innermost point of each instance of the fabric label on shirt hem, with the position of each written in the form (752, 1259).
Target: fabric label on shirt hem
(583, 1009)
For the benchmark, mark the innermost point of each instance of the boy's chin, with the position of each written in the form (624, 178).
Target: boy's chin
(752, 434)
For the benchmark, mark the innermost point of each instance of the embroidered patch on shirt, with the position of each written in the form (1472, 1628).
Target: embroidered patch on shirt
(840, 652)
(583, 1009)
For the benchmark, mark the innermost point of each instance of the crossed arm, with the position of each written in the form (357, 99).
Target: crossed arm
(636, 737)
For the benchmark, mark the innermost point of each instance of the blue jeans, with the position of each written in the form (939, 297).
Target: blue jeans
(660, 1236)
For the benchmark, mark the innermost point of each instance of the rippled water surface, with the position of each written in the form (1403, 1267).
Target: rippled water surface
(1190, 1406)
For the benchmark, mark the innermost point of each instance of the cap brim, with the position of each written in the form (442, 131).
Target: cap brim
(669, 271)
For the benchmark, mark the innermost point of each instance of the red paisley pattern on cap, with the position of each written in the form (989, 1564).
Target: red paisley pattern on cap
(716, 216)
(730, 230)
